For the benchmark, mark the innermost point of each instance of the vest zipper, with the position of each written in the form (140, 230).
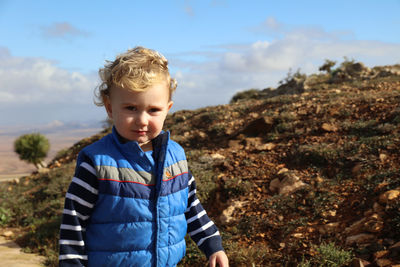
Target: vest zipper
(160, 147)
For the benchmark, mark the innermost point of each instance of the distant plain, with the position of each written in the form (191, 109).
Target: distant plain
(12, 167)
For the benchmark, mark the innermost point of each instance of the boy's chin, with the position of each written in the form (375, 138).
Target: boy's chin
(146, 146)
(141, 139)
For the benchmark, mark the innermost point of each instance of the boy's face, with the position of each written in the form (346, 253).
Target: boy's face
(139, 116)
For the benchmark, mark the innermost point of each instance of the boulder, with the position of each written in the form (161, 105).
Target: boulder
(217, 156)
(360, 239)
(226, 216)
(257, 143)
(329, 228)
(287, 182)
(274, 185)
(329, 127)
(389, 196)
(395, 248)
(371, 224)
(383, 262)
(8, 234)
(356, 262)
(258, 126)
(235, 144)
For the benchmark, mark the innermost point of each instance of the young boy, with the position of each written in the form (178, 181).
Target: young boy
(132, 199)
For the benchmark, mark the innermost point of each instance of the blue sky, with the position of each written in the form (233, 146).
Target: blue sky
(50, 51)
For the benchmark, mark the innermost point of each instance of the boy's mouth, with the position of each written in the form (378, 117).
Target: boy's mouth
(140, 132)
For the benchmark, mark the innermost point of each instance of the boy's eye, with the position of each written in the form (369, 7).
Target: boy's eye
(153, 110)
(130, 108)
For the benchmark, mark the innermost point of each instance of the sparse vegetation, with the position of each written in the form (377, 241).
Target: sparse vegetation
(290, 76)
(329, 255)
(5, 216)
(35, 205)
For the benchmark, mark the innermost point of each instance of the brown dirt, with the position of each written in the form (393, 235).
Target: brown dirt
(11, 177)
(11, 255)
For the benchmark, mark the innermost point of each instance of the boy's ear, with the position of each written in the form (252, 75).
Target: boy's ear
(170, 103)
(107, 105)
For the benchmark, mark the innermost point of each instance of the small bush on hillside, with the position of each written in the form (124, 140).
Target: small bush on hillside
(32, 148)
(327, 66)
(245, 95)
(290, 76)
(347, 62)
(328, 254)
(331, 255)
(320, 155)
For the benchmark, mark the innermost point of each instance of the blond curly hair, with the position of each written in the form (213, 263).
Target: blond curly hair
(137, 69)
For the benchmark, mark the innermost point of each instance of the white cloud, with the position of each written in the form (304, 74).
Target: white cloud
(62, 30)
(36, 89)
(271, 24)
(188, 8)
(29, 80)
(263, 63)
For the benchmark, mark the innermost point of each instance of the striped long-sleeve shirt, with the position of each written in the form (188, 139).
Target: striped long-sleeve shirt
(79, 204)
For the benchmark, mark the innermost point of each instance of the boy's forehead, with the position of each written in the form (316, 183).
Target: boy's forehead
(138, 90)
(141, 83)
(156, 90)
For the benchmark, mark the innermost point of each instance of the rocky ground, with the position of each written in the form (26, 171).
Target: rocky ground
(306, 174)
(298, 168)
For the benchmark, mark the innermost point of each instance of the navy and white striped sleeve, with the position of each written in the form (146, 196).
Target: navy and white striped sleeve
(79, 202)
(200, 228)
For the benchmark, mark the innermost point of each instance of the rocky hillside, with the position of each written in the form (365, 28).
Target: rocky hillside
(307, 174)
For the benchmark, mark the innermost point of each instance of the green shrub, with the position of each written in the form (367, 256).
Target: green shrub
(5, 216)
(245, 95)
(318, 154)
(32, 148)
(253, 256)
(201, 167)
(290, 76)
(332, 256)
(327, 66)
(328, 255)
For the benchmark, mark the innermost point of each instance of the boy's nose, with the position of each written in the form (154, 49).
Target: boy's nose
(142, 119)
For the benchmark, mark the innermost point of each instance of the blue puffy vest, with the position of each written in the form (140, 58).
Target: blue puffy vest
(138, 219)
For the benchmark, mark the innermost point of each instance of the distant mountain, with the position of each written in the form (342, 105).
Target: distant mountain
(52, 127)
